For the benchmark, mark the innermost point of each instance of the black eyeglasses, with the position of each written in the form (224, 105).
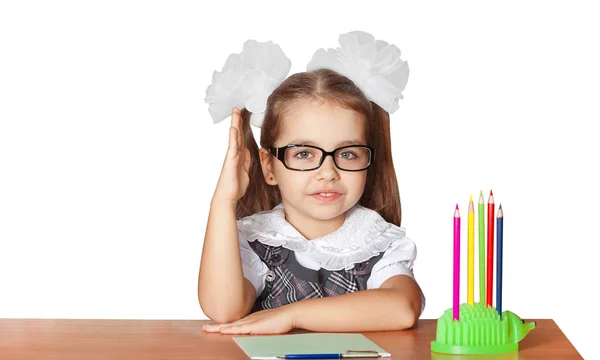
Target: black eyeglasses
(308, 157)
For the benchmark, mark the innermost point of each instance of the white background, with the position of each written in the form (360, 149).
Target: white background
(109, 158)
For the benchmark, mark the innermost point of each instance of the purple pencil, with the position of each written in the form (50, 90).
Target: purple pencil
(456, 304)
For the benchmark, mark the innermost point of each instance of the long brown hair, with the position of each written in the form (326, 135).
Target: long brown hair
(381, 191)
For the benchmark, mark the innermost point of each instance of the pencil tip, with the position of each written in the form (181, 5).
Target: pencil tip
(491, 193)
(457, 206)
(471, 198)
(500, 206)
(480, 192)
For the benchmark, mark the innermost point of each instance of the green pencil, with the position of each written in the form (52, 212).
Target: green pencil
(480, 218)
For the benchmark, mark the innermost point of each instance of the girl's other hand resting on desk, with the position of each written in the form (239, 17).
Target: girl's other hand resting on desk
(234, 178)
(270, 321)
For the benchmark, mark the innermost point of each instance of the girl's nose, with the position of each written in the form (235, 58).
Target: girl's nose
(328, 171)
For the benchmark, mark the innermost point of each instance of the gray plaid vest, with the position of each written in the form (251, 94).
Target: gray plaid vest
(287, 281)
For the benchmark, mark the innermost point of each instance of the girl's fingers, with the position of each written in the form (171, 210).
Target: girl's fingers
(233, 144)
(237, 329)
(214, 327)
(224, 325)
(211, 328)
(234, 124)
(237, 120)
(219, 327)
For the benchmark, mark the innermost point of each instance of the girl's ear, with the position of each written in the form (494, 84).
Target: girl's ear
(266, 164)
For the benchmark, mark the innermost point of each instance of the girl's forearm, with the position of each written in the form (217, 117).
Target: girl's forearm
(368, 310)
(222, 289)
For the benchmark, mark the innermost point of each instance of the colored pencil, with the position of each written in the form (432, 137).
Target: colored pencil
(471, 253)
(490, 249)
(481, 220)
(499, 235)
(456, 303)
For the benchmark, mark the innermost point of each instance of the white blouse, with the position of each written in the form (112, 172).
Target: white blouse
(363, 234)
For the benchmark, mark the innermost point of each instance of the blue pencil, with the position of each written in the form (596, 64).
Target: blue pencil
(356, 355)
(499, 225)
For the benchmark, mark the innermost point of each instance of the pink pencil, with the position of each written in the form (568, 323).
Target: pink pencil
(456, 304)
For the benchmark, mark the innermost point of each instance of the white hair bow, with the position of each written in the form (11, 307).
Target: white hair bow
(248, 78)
(373, 65)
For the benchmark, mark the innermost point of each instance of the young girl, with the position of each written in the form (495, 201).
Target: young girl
(305, 231)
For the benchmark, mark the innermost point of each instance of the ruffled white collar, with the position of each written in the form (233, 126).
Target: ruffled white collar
(363, 234)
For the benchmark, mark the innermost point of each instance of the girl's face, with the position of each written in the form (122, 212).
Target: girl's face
(328, 126)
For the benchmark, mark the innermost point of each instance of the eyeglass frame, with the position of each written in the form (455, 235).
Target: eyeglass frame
(279, 153)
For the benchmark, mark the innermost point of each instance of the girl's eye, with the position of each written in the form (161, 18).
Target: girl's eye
(303, 154)
(348, 155)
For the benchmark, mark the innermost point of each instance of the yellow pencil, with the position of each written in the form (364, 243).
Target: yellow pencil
(471, 234)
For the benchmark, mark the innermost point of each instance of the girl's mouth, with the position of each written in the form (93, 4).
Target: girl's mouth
(326, 197)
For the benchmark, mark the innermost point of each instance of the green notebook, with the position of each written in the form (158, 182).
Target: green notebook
(269, 347)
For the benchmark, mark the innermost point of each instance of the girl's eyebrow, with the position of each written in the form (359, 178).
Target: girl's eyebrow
(341, 143)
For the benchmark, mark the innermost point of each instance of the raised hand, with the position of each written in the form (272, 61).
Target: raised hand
(234, 178)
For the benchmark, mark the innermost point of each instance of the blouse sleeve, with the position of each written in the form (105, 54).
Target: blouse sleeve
(398, 259)
(252, 266)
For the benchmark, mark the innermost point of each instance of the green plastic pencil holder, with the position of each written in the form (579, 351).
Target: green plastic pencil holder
(479, 331)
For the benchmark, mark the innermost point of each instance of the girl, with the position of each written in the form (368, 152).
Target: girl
(305, 231)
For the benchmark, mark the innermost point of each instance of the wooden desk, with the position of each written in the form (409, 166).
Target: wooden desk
(184, 339)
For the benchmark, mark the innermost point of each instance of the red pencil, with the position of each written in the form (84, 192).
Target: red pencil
(490, 249)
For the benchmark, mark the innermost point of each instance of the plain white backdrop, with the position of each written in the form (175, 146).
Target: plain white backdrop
(109, 158)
